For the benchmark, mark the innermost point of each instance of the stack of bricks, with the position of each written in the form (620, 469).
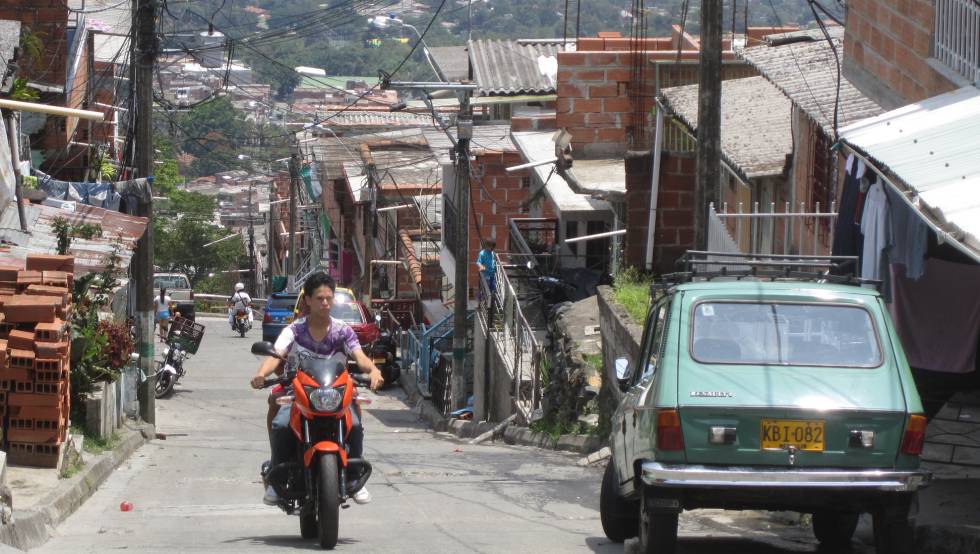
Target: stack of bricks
(34, 358)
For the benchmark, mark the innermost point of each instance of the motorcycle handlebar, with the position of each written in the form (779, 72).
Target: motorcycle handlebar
(360, 378)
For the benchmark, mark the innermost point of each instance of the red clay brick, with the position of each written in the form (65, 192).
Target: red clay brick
(589, 45)
(603, 91)
(27, 278)
(572, 58)
(56, 389)
(583, 105)
(611, 134)
(33, 455)
(590, 75)
(8, 273)
(34, 400)
(617, 74)
(25, 308)
(57, 278)
(50, 332)
(616, 105)
(20, 340)
(50, 262)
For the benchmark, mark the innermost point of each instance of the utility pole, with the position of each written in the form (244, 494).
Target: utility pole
(143, 57)
(251, 240)
(270, 251)
(293, 186)
(709, 118)
(464, 133)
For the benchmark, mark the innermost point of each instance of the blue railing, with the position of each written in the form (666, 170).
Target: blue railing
(423, 345)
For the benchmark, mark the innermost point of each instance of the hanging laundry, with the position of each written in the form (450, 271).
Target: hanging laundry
(847, 231)
(102, 195)
(877, 233)
(910, 236)
(938, 316)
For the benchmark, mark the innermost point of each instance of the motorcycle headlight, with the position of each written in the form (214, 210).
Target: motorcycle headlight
(326, 399)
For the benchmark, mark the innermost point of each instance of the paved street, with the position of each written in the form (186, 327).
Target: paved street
(198, 490)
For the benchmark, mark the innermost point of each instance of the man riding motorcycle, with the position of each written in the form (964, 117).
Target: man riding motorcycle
(240, 301)
(320, 334)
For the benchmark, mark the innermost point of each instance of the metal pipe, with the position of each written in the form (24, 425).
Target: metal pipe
(531, 164)
(50, 110)
(658, 142)
(615, 233)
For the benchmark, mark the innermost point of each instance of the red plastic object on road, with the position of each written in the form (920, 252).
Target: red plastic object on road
(126, 507)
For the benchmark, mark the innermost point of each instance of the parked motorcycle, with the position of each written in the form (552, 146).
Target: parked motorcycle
(241, 323)
(170, 369)
(321, 393)
(382, 352)
(183, 340)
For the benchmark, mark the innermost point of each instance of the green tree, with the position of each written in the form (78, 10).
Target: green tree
(179, 245)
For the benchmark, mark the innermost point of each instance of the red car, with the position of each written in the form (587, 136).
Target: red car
(347, 309)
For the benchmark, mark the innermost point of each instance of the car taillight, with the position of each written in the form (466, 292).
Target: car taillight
(669, 436)
(915, 435)
(267, 318)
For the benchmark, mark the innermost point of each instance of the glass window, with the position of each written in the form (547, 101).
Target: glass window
(784, 334)
(171, 282)
(653, 341)
(347, 312)
(282, 302)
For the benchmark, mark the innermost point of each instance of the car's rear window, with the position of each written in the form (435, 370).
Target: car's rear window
(784, 334)
(347, 312)
(282, 302)
(171, 282)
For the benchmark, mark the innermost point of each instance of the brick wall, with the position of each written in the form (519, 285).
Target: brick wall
(886, 45)
(496, 197)
(49, 19)
(675, 209)
(595, 91)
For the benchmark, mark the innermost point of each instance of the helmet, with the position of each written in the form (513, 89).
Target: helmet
(239, 287)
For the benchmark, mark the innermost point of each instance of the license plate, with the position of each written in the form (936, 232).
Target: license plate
(777, 434)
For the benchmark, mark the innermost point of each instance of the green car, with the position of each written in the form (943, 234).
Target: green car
(766, 394)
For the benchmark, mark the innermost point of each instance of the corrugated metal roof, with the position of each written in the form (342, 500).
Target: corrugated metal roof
(503, 67)
(351, 119)
(747, 106)
(932, 146)
(452, 61)
(487, 138)
(806, 72)
(90, 255)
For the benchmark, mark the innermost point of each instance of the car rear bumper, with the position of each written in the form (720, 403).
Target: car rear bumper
(749, 478)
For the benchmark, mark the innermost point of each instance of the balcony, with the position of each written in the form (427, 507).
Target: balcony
(957, 37)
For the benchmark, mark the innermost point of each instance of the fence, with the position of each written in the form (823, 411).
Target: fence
(422, 346)
(513, 337)
(771, 232)
(957, 32)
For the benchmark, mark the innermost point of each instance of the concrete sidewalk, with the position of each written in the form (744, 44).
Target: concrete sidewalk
(42, 500)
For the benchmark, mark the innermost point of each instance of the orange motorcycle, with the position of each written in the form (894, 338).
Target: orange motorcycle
(322, 395)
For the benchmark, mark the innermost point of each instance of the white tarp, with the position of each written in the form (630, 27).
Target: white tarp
(8, 182)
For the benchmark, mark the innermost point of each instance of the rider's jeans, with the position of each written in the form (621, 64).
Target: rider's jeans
(284, 441)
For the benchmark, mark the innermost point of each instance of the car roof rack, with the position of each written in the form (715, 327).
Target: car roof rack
(705, 265)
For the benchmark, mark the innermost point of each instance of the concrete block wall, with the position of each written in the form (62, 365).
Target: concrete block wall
(674, 233)
(886, 45)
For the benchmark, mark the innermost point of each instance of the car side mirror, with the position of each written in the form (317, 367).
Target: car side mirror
(622, 366)
(265, 348)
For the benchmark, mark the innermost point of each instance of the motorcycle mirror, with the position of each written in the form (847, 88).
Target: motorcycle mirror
(377, 318)
(264, 348)
(530, 264)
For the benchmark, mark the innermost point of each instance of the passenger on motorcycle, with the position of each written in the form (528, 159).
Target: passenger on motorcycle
(320, 334)
(239, 301)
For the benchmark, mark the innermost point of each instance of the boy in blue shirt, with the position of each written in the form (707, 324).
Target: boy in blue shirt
(487, 265)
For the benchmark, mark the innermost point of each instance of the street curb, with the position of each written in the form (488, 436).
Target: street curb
(513, 435)
(31, 529)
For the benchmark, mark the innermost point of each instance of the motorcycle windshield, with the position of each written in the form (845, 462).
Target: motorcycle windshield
(324, 369)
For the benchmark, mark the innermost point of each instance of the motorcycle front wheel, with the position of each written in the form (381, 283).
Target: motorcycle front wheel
(328, 503)
(242, 329)
(165, 382)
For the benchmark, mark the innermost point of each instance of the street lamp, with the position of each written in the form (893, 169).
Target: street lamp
(382, 22)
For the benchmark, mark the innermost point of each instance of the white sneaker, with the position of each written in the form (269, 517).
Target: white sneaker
(362, 496)
(270, 498)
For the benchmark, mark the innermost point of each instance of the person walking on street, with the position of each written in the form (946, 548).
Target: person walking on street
(163, 313)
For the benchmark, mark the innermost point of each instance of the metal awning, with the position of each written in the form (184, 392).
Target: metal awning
(931, 149)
